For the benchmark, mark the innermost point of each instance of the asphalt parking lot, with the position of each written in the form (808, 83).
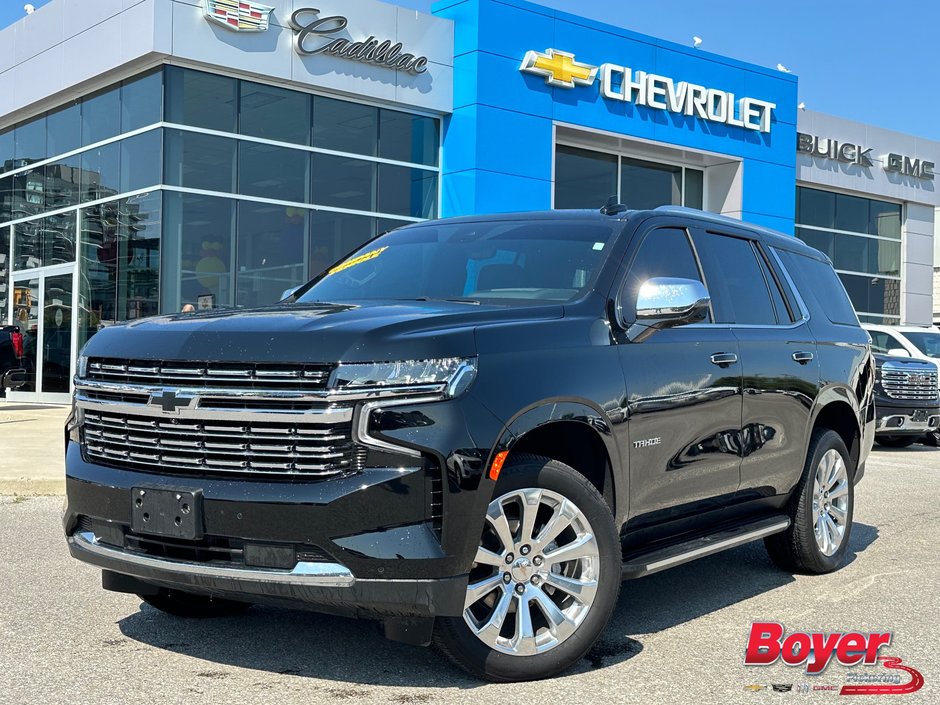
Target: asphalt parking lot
(676, 637)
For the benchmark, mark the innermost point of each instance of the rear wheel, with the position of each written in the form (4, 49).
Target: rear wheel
(896, 441)
(185, 604)
(545, 579)
(820, 510)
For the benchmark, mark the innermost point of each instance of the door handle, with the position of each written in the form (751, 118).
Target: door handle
(802, 356)
(724, 359)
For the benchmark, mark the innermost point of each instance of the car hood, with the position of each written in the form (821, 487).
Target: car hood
(314, 333)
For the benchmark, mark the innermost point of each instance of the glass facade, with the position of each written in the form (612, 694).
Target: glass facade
(862, 237)
(586, 179)
(182, 187)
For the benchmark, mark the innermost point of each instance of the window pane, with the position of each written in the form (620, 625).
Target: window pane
(29, 192)
(738, 290)
(345, 126)
(822, 241)
(665, 252)
(6, 150)
(140, 163)
(58, 239)
(6, 199)
(884, 257)
(780, 306)
(404, 191)
(4, 273)
(816, 279)
(27, 245)
(99, 265)
(851, 214)
(333, 235)
(885, 219)
(30, 140)
(141, 101)
(408, 138)
(199, 245)
(64, 129)
(57, 333)
(101, 172)
(200, 99)
(139, 231)
(272, 172)
(274, 113)
(694, 188)
(649, 185)
(583, 179)
(271, 243)
(63, 182)
(101, 116)
(343, 182)
(199, 161)
(816, 208)
(873, 294)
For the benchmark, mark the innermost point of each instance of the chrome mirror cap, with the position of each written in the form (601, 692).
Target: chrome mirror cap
(671, 301)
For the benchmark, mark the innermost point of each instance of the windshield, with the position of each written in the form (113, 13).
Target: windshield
(927, 343)
(500, 262)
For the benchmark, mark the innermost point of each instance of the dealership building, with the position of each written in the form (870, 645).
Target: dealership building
(160, 153)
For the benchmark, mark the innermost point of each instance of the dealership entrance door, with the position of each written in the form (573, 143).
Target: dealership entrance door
(42, 305)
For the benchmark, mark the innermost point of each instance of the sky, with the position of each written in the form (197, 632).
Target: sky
(874, 61)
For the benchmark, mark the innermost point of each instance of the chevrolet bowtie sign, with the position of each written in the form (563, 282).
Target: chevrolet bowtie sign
(562, 70)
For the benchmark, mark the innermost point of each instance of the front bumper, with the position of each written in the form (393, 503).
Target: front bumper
(372, 548)
(900, 420)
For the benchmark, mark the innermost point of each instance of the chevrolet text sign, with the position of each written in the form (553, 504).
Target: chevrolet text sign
(560, 69)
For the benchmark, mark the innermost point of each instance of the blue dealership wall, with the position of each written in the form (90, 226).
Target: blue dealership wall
(498, 141)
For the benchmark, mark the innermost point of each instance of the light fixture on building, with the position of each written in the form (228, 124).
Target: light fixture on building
(696, 42)
(784, 69)
(801, 106)
(29, 8)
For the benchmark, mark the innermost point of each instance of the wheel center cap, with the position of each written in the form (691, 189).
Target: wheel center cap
(522, 569)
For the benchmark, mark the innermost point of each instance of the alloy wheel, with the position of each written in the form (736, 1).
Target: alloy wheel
(535, 574)
(830, 502)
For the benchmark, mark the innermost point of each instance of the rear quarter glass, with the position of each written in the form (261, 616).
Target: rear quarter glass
(817, 280)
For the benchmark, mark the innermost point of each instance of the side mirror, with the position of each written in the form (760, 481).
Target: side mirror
(898, 352)
(666, 302)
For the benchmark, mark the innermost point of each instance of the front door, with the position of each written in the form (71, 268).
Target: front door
(683, 394)
(42, 306)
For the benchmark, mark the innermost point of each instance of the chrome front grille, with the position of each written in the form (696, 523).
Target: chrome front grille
(200, 446)
(911, 385)
(217, 375)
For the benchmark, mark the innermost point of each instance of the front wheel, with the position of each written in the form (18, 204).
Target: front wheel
(896, 441)
(545, 579)
(186, 604)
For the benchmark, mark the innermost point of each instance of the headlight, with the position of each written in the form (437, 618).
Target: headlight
(454, 374)
(81, 368)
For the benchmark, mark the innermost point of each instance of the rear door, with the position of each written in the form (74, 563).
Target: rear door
(683, 390)
(779, 361)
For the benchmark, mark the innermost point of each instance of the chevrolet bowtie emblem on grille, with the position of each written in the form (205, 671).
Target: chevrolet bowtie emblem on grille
(559, 68)
(238, 15)
(170, 400)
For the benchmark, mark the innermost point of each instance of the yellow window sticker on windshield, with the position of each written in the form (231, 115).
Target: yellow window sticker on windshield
(357, 260)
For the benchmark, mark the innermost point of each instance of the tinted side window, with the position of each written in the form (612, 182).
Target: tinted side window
(883, 342)
(817, 277)
(780, 305)
(664, 252)
(734, 279)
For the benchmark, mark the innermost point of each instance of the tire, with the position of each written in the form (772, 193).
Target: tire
(931, 439)
(190, 606)
(896, 441)
(801, 548)
(499, 654)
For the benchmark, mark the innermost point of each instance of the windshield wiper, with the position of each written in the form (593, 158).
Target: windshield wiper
(472, 302)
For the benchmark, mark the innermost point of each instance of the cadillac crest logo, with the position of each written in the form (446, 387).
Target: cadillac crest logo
(238, 15)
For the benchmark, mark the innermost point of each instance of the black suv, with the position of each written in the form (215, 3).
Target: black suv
(473, 429)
